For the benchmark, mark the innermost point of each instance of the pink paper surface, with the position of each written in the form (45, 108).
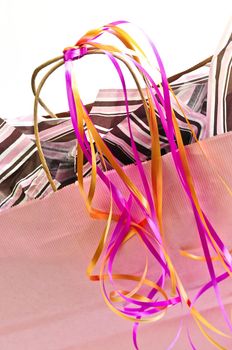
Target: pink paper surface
(47, 302)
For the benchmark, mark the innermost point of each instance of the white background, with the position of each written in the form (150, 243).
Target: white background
(32, 32)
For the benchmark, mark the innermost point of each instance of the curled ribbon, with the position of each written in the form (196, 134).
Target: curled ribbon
(135, 304)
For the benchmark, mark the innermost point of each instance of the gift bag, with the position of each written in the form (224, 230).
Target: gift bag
(132, 249)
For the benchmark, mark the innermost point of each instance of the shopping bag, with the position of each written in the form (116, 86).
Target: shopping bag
(137, 238)
(47, 302)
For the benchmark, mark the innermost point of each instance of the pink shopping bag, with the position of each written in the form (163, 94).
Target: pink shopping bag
(48, 303)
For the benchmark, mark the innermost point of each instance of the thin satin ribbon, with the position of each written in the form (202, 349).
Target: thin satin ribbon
(149, 231)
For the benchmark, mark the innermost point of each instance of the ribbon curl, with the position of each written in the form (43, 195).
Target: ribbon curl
(135, 304)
